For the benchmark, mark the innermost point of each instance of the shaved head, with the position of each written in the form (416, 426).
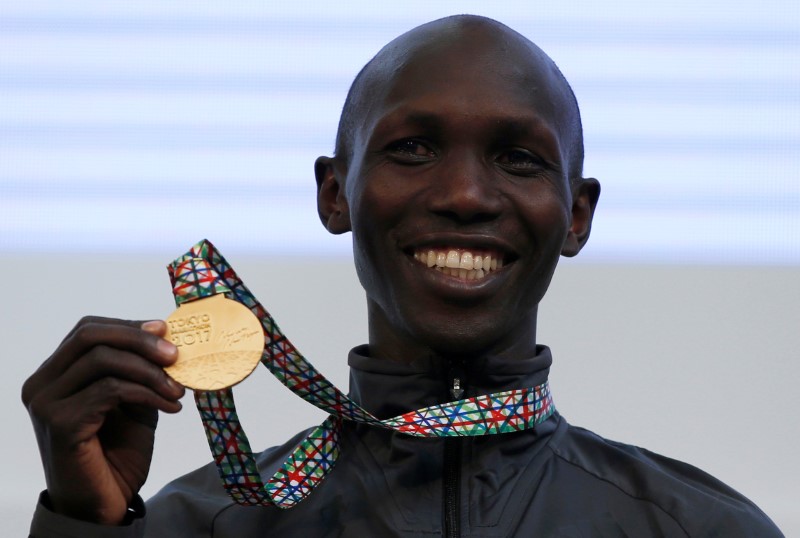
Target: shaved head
(483, 37)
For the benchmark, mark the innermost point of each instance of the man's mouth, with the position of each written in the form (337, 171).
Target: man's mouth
(460, 263)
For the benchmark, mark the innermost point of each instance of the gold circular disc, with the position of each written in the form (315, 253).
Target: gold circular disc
(219, 341)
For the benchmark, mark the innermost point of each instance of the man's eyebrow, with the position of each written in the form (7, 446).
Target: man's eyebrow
(517, 127)
(425, 120)
(504, 127)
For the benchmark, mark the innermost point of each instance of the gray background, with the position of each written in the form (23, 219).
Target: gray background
(698, 363)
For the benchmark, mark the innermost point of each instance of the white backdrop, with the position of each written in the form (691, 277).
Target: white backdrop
(116, 117)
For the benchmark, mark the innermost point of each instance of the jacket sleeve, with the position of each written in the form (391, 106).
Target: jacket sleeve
(187, 507)
(48, 524)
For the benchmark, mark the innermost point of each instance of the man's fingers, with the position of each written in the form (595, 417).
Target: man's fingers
(119, 334)
(155, 326)
(79, 416)
(109, 393)
(103, 361)
(89, 320)
(101, 347)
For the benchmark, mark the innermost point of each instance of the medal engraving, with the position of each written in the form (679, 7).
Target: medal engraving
(219, 342)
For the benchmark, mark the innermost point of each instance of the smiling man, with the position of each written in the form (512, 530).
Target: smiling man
(458, 170)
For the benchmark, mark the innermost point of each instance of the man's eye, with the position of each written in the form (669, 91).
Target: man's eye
(519, 160)
(411, 149)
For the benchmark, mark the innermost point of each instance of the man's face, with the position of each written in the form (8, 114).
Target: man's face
(459, 200)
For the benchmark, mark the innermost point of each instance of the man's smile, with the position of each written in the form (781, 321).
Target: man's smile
(460, 263)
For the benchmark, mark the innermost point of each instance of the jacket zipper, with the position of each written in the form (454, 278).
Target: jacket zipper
(451, 488)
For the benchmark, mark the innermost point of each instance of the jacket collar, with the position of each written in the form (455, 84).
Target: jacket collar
(387, 388)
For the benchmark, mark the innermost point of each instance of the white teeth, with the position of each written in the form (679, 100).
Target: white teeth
(453, 259)
(431, 258)
(464, 265)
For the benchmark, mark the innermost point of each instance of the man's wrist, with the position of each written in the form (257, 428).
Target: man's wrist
(136, 510)
(48, 524)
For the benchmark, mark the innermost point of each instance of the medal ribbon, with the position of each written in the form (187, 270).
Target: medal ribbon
(203, 272)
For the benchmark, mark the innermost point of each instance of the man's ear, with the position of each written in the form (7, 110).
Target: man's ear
(331, 202)
(585, 193)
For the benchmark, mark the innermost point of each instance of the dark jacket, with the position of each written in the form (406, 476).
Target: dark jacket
(554, 480)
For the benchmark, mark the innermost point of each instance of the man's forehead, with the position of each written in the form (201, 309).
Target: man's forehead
(464, 41)
(463, 55)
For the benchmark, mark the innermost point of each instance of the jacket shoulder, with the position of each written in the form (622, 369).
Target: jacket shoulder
(701, 504)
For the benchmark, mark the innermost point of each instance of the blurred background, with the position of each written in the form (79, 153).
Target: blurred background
(128, 131)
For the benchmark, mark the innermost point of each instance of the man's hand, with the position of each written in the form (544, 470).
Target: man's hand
(94, 406)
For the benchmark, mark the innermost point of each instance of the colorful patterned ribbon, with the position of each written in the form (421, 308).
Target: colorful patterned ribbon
(203, 272)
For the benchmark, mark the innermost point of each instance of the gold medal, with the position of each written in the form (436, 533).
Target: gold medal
(219, 341)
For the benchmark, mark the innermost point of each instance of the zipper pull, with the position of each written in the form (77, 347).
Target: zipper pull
(457, 392)
(457, 382)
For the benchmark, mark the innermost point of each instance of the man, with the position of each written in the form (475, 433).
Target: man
(458, 169)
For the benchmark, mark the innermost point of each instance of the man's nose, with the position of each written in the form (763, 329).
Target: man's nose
(465, 189)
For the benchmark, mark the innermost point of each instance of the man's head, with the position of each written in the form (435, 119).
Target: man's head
(369, 80)
(460, 139)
